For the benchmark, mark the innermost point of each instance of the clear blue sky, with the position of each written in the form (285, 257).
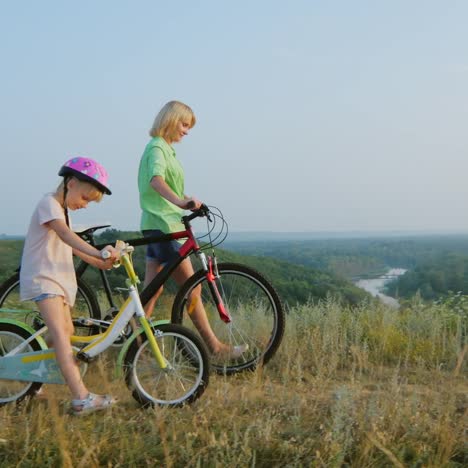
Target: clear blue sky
(312, 115)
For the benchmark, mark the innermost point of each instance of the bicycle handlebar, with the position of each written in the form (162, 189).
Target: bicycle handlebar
(199, 213)
(125, 250)
(105, 254)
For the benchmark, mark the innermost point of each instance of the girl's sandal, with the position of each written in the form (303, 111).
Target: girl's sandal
(41, 394)
(91, 403)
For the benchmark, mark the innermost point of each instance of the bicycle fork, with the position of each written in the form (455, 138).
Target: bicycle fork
(212, 274)
(145, 324)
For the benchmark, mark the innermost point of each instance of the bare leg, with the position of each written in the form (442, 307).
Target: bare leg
(183, 272)
(152, 269)
(56, 315)
(198, 315)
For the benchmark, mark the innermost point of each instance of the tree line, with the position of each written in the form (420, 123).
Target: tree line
(309, 270)
(295, 284)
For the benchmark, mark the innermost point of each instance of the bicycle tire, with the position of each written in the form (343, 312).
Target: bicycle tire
(12, 335)
(86, 304)
(257, 314)
(183, 384)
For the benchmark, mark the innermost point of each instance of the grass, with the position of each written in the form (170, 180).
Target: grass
(362, 387)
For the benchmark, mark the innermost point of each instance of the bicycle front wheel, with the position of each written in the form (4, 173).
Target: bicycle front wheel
(86, 304)
(257, 316)
(186, 376)
(11, 336)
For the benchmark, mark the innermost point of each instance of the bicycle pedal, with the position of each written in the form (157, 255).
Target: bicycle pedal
(38, 323)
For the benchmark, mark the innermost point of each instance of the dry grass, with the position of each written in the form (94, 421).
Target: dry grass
(363, 388)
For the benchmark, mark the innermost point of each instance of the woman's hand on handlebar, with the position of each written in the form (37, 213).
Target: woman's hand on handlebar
(192, 203)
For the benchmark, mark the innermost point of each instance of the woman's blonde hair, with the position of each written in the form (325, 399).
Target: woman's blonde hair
(165, 123)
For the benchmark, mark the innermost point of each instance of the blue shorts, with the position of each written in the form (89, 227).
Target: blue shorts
(161, 252)
(43, 296)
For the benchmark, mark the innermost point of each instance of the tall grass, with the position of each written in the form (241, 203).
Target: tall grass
(362, 387)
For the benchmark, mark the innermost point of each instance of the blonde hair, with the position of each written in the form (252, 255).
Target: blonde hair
(91, 192)
(165, 123)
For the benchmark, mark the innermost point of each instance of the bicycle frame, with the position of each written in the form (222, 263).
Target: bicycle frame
(82, 266)
(41, 366)
(187, 248)
(190, 246)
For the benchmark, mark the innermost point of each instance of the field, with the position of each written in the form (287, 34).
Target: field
(358, 387)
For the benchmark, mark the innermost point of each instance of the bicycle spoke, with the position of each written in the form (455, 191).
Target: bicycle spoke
(257, 318)
(184, 378)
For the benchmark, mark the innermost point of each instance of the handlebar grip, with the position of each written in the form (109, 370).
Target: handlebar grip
(105, 254)
(190, 205)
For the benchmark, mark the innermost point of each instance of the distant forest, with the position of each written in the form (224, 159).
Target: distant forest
(437, 265)
(296, 284)
(308, 270)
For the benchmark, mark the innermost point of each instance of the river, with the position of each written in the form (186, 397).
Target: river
(374, 286)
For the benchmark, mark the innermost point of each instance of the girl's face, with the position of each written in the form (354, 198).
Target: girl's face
(78, 195)
(182, 129)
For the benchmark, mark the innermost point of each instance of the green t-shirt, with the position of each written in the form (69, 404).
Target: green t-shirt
(159, 159)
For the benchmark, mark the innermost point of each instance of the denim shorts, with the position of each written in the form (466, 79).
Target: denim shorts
(161, 252)
(43, 296)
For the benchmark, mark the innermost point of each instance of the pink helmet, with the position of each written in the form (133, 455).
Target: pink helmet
(87, 170)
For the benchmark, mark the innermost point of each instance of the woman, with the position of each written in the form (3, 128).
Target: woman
(162, 200)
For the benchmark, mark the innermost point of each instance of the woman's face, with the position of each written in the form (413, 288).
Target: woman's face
(182, 129)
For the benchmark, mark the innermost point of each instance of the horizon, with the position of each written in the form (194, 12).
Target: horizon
(252, 236)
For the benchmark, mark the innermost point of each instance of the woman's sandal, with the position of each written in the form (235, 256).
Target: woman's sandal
(233, 353)
(238, 351)
(91, 403)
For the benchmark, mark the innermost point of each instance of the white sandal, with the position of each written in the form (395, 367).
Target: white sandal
(238, 351)
(91, 403)
(234, 353)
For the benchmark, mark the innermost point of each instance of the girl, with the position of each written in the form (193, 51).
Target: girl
(47, 273)
(162, 200)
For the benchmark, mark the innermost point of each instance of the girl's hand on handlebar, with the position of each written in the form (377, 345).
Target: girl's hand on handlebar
(109, 255)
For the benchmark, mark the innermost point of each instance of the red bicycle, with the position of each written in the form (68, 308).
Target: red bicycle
(241, 304)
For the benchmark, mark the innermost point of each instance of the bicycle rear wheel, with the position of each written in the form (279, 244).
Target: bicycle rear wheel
(255, 309)
(182, 382)
(11, 336)
(86, 304)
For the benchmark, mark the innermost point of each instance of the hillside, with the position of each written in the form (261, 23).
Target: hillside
(10, 254)
(294, 283)
(437, 265)
(354, 256)
(434, 278)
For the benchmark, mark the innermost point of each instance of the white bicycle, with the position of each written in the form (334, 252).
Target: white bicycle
(163, 363)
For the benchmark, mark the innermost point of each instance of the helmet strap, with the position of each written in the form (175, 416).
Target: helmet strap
(65, 191)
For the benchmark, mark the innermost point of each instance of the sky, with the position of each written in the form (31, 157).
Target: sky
(311, 115)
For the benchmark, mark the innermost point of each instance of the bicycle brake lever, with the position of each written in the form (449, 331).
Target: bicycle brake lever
(206, 211)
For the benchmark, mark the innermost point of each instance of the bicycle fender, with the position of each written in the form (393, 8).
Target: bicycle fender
(128, 343)
(27, 328)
